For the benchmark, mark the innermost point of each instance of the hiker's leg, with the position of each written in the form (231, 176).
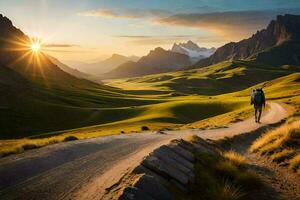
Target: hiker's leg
(255, 108)
(259, 114)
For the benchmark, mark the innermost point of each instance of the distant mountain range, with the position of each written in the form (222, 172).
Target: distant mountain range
(68, 69)
(278, 44)
(160, 60)
(193, 50)
(104, 66)
(157, 61)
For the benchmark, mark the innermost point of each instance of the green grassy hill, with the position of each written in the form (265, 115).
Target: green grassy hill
(225, 77)
(181, 98)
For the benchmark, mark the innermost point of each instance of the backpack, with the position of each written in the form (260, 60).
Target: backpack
(258, 97)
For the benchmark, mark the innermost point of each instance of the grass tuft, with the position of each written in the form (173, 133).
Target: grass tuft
(231, 192)
(236, 159)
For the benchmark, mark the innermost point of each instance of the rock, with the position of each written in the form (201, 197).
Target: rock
(152, 188)
(186, 145)
(131, 193)
(159, 132)
(179, 186)
(164, 169)
(163, 155)
(182, 160)
(143, 170)
(181, 151)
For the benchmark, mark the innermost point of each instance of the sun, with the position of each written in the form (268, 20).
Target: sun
(35, 47)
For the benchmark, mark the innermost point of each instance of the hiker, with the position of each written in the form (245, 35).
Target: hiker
(258, 100)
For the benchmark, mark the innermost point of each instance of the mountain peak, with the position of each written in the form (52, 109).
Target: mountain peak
(192, 50)
(4, 21)
(157, 50)
(115, 55)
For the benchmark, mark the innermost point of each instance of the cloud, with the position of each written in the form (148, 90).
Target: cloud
(154, 40)
(152, 36)
(55, 45)
(127, 13)
(231, 25)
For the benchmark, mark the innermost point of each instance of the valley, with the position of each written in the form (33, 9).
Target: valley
(68, 133)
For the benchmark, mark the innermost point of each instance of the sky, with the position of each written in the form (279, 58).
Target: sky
(89, 30)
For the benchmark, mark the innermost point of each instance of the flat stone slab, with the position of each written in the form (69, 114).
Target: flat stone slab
(152, 188)
(163, 155)
(177, 157)
(165, 169)
(181, 151)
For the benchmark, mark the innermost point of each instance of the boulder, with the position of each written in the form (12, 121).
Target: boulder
(169, 159)
(181, 151)
(143, 170)
(182, 160)
(161, 167)
(152, 188)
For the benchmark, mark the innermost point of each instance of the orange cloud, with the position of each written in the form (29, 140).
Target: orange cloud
(127, 13)
(232, 25)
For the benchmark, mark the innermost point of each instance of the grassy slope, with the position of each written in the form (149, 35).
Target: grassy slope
(104, 110)
(213, 80)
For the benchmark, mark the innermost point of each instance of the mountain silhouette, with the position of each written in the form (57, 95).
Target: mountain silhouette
(68, 69)
(15, 54)
(157, 61)
(104, 66)
(278, 44)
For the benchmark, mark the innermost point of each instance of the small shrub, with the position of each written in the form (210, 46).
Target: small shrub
(236, 159)
(70, 138)
(145, 128)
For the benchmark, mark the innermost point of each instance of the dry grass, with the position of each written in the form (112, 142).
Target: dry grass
(294, 163)
(235, 158)
(231, 192)
(281, 144)
(22, 145)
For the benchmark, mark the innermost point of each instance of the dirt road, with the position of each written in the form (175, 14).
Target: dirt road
(84, 169)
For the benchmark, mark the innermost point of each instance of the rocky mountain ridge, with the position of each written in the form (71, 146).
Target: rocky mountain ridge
(279, 31)
(157, 61)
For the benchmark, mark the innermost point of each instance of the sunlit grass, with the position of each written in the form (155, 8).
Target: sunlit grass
(237, 159)
(105, 111)
(281, 144)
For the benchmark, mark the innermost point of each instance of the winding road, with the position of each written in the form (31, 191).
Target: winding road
(84, 169)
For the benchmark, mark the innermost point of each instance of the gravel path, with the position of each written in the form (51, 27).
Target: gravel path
(84, 169)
